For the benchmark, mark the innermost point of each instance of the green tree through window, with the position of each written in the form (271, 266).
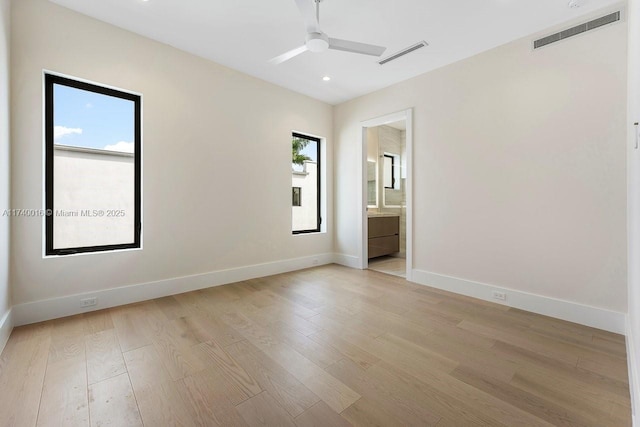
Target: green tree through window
(297, 145)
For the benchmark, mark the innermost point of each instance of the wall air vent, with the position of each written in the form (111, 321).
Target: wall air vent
(578, 29)
(403, 52)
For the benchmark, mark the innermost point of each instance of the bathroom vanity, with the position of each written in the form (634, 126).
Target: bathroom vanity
(384, 234)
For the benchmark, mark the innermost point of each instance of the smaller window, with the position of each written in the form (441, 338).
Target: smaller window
(305, 175)
(297, 196)
(389, 171)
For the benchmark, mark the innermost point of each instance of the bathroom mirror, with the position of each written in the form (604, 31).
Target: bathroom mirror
(372, 184)
(392, 193)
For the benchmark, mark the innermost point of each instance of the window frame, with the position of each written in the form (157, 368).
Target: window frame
(50, 80)
(318, 141)
(393, 171)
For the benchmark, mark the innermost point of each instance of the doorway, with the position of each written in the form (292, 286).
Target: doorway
(386, 203)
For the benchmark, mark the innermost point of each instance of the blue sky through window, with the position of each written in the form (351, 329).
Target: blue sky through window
(92, 120)
(311, 151)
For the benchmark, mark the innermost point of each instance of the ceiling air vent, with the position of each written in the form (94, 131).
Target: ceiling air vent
(578, 29)
(403, 52)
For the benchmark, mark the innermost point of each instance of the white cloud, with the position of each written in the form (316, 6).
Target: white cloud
(122, 146)
(61, 131)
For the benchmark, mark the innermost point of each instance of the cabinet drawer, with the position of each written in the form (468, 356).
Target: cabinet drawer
(379, 246)
(384, 226)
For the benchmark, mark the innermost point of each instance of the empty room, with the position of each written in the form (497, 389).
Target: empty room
(453, 239)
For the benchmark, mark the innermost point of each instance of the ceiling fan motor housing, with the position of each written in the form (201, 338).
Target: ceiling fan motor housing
(317, 42)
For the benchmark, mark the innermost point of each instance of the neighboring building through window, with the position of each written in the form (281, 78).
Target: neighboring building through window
(305, 179)
(93, 167)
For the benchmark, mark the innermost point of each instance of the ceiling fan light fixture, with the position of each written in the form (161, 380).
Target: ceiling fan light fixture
(317, 42)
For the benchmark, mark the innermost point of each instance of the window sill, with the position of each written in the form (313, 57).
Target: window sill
(309, 233)
(44, 256)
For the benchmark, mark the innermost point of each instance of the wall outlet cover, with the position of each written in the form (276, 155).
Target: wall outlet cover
(88, 302)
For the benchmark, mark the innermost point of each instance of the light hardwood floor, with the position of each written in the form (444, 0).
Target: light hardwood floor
(389, 265)
(329, 346)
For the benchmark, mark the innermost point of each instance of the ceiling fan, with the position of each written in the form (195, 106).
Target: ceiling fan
(317, 41)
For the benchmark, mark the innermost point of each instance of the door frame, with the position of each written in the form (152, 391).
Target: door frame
(407, 116)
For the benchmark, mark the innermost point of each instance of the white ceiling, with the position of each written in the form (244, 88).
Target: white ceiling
(245, 34)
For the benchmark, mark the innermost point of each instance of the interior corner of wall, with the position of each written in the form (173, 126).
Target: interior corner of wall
(633, 364)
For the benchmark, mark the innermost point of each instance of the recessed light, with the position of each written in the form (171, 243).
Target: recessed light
(326, 78)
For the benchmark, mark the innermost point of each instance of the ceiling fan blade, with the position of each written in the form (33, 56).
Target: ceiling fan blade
(288, 55)
(308, 11)
(355, 47)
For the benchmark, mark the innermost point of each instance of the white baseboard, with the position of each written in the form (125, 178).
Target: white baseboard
(633, 364)
(600, 318)
(37, 311)
(6, 326)
(54, 308)
(347, 260)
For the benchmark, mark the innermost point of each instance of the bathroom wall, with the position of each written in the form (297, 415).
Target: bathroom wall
(373, 190)
(390, 142)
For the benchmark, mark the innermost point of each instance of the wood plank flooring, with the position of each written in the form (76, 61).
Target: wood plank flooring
(389, 265)
(328, 346)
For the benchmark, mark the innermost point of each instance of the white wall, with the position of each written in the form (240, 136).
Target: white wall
(633, 326)
(216, 158)
(519, 168)
(305, 216)
(107, 186)
(5, 179)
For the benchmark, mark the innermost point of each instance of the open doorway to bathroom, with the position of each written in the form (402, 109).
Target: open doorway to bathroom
(386, 184)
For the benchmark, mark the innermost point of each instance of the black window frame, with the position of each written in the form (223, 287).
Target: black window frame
(319, 186)
(393, 172)
(53, 79)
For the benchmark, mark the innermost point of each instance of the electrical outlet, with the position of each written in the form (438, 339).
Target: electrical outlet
(88, 302)
(502, 296)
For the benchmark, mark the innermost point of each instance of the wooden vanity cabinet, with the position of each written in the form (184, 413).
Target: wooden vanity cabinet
(384, 235)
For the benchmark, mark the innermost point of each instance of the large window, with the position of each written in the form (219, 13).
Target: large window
(305, 165)
(92, 168)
